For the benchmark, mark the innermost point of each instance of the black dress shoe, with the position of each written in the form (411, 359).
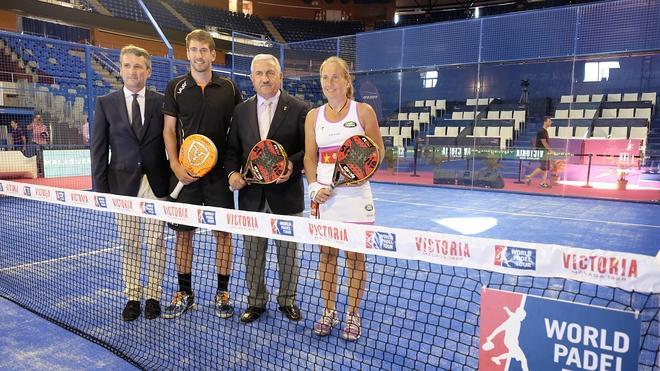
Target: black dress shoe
(151, 309)
(292, 312)
(252, 314)
(131, 311)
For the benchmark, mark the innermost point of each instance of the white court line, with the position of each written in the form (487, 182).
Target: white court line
(525, 214)
(28, 265)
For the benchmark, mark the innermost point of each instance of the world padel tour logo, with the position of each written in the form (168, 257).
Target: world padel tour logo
(443, 248)
(326, 232)
(281, 227)
(100, 201)
(61, 196)
(525, 332)
(244, 222)
(2, 189)
(27, 191)
(597, 265)
(148, 208)
(380, 241)
(206, 216)
(515, 257)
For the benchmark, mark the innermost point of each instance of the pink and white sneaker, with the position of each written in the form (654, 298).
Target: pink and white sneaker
(352, 328)
(325, 324)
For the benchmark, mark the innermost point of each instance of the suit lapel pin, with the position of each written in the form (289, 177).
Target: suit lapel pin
(285, 107)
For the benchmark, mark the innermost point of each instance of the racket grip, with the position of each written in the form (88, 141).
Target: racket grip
(175, 193)
(314, 210)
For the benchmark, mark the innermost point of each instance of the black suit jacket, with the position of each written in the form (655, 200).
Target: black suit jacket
(287, 128)
(132, 155)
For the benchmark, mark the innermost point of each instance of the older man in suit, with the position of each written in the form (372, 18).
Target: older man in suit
(129, 122)
(270, 114)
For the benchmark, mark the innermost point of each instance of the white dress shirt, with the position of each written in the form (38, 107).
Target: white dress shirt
(128, 95)
(261, 107)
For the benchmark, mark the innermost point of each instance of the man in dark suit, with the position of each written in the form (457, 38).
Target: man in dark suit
(129, 122)
(270, 114)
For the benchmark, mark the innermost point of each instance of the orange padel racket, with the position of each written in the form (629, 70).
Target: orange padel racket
(198, 155)
(265, 163)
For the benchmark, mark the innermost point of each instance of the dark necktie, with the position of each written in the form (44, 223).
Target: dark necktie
(136, 120)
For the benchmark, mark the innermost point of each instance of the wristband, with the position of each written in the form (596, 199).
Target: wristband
(313, 189)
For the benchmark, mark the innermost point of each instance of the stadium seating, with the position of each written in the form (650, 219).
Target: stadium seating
(226, 21)
(129, 9)
(300, 30)
(620, 116)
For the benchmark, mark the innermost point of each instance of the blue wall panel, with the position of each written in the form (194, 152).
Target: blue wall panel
(441, 44)
(529, 35)
(378, 50)
(619, 26)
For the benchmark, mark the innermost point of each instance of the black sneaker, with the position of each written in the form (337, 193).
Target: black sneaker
(223, 306)
(180, 304)
(151, 309)
(131, 311)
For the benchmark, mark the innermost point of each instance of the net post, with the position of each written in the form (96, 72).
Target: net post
(588, 172)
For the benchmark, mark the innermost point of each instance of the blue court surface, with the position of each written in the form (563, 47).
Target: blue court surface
(66, 263)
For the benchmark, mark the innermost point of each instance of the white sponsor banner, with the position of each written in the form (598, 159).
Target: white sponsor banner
(632, 272)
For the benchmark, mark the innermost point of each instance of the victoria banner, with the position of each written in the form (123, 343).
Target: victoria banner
(525, 332)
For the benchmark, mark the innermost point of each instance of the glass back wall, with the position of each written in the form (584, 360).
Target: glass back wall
(463, 104)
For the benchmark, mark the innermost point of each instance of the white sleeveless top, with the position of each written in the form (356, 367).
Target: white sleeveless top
(347, 203)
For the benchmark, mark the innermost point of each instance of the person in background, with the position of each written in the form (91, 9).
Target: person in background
(39, 131)
(84, 131)
(19, 140)
(542, 142)
(40, 138)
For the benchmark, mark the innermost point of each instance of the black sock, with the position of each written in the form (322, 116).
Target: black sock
(185, 282)
(223, 282)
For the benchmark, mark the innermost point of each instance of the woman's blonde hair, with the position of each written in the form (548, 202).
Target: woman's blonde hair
(347, 75)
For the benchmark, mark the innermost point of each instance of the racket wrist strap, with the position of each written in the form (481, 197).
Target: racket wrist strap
(313, 189)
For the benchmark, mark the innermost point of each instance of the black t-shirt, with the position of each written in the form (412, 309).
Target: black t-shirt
(208, 113)
(540, 135)
(16, 135)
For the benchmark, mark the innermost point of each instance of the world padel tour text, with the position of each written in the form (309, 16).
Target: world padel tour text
(595, 349)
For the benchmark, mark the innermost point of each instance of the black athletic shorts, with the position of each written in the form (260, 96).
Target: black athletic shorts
(211, 190)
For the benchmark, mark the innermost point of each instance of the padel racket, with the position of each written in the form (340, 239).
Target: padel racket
(356, 161)
(265, 163)
(488, 345)
(198, 155)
